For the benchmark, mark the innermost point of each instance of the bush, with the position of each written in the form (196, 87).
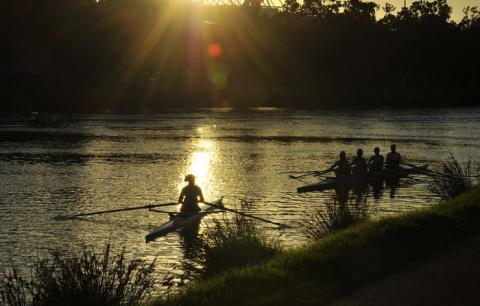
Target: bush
(456, 178)
(88, 278)
(338, 215)
(234, 242)
(225, 243)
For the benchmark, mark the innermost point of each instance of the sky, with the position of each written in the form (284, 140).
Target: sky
(457, 6)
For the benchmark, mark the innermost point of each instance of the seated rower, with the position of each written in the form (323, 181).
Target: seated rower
(359, 164)
(341, 167)
(393, 159)
(375, 163)
(190, 196)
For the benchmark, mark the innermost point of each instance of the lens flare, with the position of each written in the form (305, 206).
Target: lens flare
(215, 50)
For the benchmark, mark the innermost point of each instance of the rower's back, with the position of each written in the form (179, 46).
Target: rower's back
(375, 164)
(393, 159)
(190, 197)
(359, 164)
(342, 166)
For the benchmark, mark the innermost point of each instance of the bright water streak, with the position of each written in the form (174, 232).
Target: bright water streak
(105, 162)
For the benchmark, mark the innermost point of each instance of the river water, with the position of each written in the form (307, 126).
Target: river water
(112, 161)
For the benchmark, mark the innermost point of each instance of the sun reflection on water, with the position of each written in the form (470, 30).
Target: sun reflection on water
(200, 165)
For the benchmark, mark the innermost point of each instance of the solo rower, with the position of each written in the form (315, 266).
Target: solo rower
(393, 159)
(190, 196)
(375, 163)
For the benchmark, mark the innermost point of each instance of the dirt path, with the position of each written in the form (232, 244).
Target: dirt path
(450, 278)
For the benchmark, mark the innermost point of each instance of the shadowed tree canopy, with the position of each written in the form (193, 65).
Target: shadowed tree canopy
(154, 55)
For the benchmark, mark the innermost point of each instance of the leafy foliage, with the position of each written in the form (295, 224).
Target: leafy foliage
(129, 55)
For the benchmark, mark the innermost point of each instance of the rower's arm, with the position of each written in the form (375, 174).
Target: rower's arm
(180, 198)
(200, 195)
(335, 164)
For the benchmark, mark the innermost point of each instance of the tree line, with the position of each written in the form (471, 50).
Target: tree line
(154, 55)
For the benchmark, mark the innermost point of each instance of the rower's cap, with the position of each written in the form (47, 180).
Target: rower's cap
(189, 177)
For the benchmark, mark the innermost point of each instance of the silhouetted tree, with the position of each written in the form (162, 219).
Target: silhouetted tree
(128, 55)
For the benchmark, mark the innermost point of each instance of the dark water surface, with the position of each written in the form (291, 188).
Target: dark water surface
(110, 161)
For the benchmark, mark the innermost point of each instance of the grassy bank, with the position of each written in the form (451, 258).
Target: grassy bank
(333, 266)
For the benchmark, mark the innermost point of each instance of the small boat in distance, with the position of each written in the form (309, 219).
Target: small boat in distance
(180, 220)
(41, 120)
(333, 182)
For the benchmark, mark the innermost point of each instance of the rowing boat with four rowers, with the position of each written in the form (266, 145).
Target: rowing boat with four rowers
(360, 172)
(369, 178)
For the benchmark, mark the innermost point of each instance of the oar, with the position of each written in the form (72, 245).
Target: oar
(284, 172)
(303, 175)
(60, 217)
(430, 171)
(316, 173)
(281, 225)
(413, 166)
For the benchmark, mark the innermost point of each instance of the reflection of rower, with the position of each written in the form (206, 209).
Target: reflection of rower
(341, 167)
(375, 163)
(393, 159)
(190, 196)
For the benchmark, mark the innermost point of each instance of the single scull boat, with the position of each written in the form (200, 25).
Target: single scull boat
(180, 220)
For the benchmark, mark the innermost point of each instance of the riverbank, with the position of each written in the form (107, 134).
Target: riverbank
(449, 278)
(335, 266)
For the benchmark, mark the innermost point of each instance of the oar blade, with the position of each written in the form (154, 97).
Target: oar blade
(62, 218)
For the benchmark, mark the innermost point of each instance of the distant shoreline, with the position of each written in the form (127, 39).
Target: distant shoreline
(474, 103)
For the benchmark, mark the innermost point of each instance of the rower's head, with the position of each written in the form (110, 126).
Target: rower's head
(393, 147)
(343, 155)
(190, 178)
(376, 150)
(359, 152)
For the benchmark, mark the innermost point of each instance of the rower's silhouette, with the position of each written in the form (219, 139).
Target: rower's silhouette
(359, 164)
(341, 167)
(375, 163)
(190, 196)
(393, 159)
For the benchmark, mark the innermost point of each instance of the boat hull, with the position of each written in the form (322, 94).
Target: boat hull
(180, 221)
(332, 182)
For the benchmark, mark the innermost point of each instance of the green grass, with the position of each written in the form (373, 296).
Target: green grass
(333, 266)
